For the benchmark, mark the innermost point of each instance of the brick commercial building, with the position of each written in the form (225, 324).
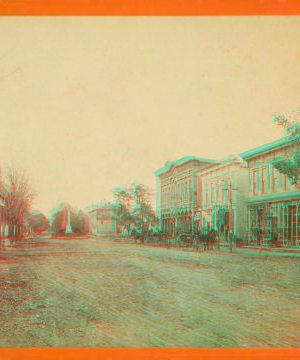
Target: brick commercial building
(244, 193)
(176, 193)
(221, 189)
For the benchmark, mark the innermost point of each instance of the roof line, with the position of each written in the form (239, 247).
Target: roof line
(269, 146)
(181, 161)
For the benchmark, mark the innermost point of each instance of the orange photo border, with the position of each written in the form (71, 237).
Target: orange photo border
(149, 8)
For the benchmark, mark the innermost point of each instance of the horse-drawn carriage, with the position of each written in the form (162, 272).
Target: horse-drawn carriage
(184, 239)
(149, 236)
(205, 241)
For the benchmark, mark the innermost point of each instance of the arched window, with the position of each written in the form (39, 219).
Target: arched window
(190, 191)
(186, 192)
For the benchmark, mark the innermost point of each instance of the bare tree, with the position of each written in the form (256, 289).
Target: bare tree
(19, 193)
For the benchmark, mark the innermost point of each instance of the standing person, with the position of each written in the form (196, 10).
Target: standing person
(212, 239)
(230, 240)
(259, 237)
(274, 238)
(133, 233)
(217, 239)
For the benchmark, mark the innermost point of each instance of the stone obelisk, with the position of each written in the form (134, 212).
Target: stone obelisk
(64, 223)
(69, 228)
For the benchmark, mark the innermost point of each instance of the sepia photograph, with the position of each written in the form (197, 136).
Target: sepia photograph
(150, 182)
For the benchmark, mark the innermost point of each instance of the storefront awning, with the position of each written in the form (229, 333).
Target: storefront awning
(288, 195)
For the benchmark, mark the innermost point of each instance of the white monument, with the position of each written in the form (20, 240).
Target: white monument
(69, 228)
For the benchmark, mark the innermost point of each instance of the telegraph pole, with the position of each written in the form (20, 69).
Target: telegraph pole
(230, 189)
(2, 204)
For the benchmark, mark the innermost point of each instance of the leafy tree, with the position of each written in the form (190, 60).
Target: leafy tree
(134, 204)
(290, 166)
(77, 218)
(123, 202)
(37, 221)
(142, 197)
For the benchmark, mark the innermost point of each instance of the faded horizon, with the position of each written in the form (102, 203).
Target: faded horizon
(87, 104)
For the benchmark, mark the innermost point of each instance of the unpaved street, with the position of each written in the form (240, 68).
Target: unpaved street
(98, 293)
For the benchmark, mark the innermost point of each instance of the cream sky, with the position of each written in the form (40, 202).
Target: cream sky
(90, 103)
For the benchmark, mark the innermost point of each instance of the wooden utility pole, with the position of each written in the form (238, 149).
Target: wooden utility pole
(2, 204)
(230, 189)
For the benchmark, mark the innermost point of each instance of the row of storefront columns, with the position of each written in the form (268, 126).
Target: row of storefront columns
(181, 221)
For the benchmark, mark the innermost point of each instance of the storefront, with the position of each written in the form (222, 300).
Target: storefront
(218, 217)
(279, 221)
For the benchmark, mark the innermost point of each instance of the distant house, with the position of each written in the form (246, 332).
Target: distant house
(102, 219)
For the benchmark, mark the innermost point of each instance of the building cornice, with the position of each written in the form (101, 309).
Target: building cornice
(228, 161)
(179, 162)
(274, 145)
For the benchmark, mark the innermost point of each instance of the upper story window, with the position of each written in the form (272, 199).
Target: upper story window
(208, 193)
(284, 181)
(180, 192)
(262, 178)
(275, 180)
(199, 191)
(186, 191)
(221, 190)
(190, 192)
(203, 193)
(253, 180)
